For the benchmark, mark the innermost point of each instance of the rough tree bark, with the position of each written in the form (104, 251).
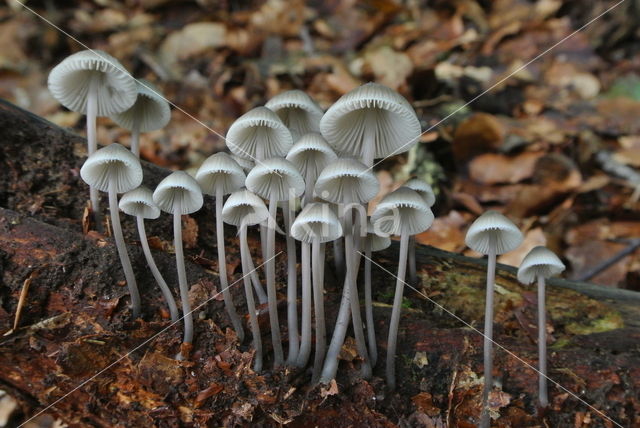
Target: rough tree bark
(76, 347)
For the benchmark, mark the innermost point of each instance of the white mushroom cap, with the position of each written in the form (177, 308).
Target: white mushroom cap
(316, 221)
(311, 153)
(139, 202)
(493, 226)
(70, 80)
(378, 242)
(112, 163)
(423, 189)
(220, 170)
(259, 129)
(277, 178)
(298, 112)
(244, 208)
(178, 186)
(540, 261)
(347, 179)
(402, 211)
(245, 163)
(375, 108)
(150, 111)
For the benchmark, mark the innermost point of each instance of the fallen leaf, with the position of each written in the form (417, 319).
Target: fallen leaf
(492, 168)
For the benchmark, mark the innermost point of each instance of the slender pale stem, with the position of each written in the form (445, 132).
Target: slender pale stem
(369, 138)
(485, 420)
(257, 285)
(338, 257)
(182, 273)
(263, 247)
(122, 250)
(292, 285)
(135, 139)
(222, 268)
(245, 255)
(542, 343)
(318, 303)
(305, 342)
(392, 341)
(92, 142)
(272, 298)
(368, 304)
(309, 183)
(166, 292)
(413, 275)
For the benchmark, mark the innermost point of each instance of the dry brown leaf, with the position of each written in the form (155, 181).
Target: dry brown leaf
(478, 134)
(494, 168)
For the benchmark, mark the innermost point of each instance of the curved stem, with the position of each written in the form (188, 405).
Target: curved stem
(166, 292)
(272, 298)
(413, 275)
(292, 285)
(182, 273)
(318, 306)
(255, 280)
(338, 257)
(135, 139)
(245, 255)
(222, 268)
(92, 145)
(395, 313)
(485, 420)
(305, 343)
(368, 304)
(542, 344)
(122, 250)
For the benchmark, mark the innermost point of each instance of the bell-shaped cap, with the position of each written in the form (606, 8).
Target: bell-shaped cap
(178, 187)
(139, 202)
(316, 221)
(347, 180)
(311, 154)
(297, 111)
(492, 228)
(245, 163)
(259, 134)
(220, 171)
(423, 189)
(69, 82)
(402, 211)
(375, 113)
(539, 262)
(150, 111)
(244, 208)
(275, 178)
(112, 165)
(377, 242)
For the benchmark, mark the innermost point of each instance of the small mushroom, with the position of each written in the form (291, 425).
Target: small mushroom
(114, 169)
(402, 212)
(180, 194)
(491, 234)
(243, 209)
(424, 190)
(245, 164)
(297, 111)
(539, 264)
(139, 204)
(150, 112)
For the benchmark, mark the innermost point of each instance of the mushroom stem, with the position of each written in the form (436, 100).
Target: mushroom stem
(122, 250)
(222, 268)
(263, 245)
(368, 304)
(305, 342)
(272, 298)
(245, 256)
(257, 285)
(485, 421)
(338, 257)
(309, 183)
(182, 273)
(413, 276)
(317, 270)
(542, 343)
(166, 292)
(368, 139)
(395, 313)
(92, 143)
(135, 139)
(292, 298)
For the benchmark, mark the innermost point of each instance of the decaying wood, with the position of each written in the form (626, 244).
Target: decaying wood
(75, 325)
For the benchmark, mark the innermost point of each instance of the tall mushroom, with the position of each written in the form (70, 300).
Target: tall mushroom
(180, 194)
(297, 111)
(150, 112)
(402, 212)
(424, 190)
(276, 180)
(243, 209)
(96, 84)
(539, 264)
(139, 204)
(491, 234)
(114, 169)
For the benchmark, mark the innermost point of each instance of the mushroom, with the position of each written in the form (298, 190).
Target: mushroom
(114, 169)
(150, 112)
(491, 234)
(139, 204)
(372, 242)
(245, 164)
(315, 225)
(96, 84)
(243, 209)
(424, 190)
(372, 121)
(179, 194)
(402, 212)
(350, 183)
(297, 111)
(218, 176)
(288, 212)
(540, 264)
(276, 180)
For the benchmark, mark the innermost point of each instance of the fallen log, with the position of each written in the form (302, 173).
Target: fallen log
(70, 348)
